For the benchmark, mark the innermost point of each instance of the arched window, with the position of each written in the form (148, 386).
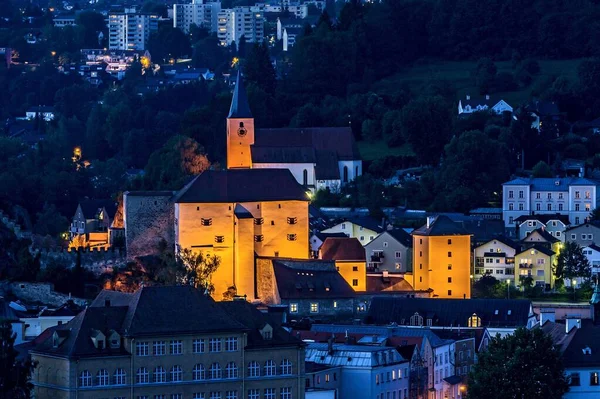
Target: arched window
(102, 377)
(160, 375)
(198, 372)
(241, 124)
(119, 377)
(176, 374)
(345, 174)
(85, 379)
(474, 321)
(253, 369)
(270, 368)
(286, 367)
(215, 371)
(231, 370)
(142, 376)
(416, 320)
(305, 177)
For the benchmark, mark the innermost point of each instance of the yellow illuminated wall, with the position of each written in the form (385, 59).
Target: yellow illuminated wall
(353, 272)
(240, 136)
(443, 263)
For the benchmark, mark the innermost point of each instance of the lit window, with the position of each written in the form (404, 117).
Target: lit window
(314, 307)
(293, 308)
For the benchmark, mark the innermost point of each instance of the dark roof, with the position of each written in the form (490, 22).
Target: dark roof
(327, 167)
(454, 379)
(594, 247)
(324, 236)
(41, 108)
(406, 351)
(342, 248)
(540, 248)
(391, 283)
(239, 103)
(544, 234)
(450, 312)
(367, 222)
(242, 185)
(588, 336)
(283, 155)
(484, 229)
(402, 237)
(310, 279)
(253, 319)
(441, 226)
(6, 312)
(340, 140)
(544, 218)
(242, 213)
(474, 101)
(150, 193)
(507, 241)
(543, 108)
(91, 208)
(68, 308)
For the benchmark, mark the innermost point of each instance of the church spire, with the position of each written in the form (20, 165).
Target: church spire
(239, 102)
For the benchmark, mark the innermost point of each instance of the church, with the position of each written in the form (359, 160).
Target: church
(319, 158)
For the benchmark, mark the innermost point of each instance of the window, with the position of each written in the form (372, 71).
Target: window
(253, 369)
(574, 380)
(102, 377)
(576, 207)
(286, 367)
(231, 344)
(85, 379)
(594, 378)
(449, 254)
(588, 207)
(560, 207)
(270, 392)
(588, 195)
(398, 255)
(474, 321)
(219, 239)
(199, 372)
(511, 207)
(198, 346)
(142, 349)
(449, 279)
(159, 347)
(354, 268)
(214, 344)
(176, 396)
(577, 194)
(293, 308)
(231, 370)
(176, 374)
(449, 292)
(416, 320)
(449, 266)
(305, 177)
(521, 207)
(577, 220)
(549, 207)
(286, 392)
(538, 207)
(314, 307)
(142, 376)
(119, 377)
(160, 397)
(292, 220)
(345, 181)
(176, 347)
(521, 194)
(292, 237)
(259, 238)
(538, 195)
(449, 241)
(511, 194)
(160, 375)
(343, 226)
(230, 394)
(270, 368)
(573, 236)
(259, 221)
(355, 282)
(215, 371)
(215, 395)
(362, 238)
(253, 394)
(206, 221)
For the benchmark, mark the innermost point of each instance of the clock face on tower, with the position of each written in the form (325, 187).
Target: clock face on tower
(242, 132)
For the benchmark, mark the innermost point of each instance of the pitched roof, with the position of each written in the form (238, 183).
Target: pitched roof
(324, 236)
(327, 167)
(242, 213)
(539, 248)
(310, 279)
(441, 226)
(542, 218)
(391, 283)
(474, 101)
(588, 336)
(505, 240)
(242, 185)
(401, 236)
(342, 248)
(550, 184)
(239, 103)
(91, 208)
(283, 155)
(544, 234)
(367, 222)
(450, 312)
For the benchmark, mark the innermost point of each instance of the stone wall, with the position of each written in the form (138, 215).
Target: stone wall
(97, 260)
(38, 293)
(266, 286)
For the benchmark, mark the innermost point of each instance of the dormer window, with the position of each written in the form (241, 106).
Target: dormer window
(267, 332)
(587, 350)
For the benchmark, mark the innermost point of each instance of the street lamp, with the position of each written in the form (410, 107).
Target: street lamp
(574, 283)
(508, 288)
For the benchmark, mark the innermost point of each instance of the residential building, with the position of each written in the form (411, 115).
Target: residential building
(592, 253)
(483, 104)
(43, 112)
(496, 258)
(234, 23)
(322, 381)
(39, 320)
(546, 117)
(317, 239)
(171, 341)
(541, 238)
(114, 62)
(536, 262)
(130, 30)
(349, 257)
(574, 197)
(93, 216)
(555, 225)
(290, 35)
(64, 20)
(391, 250)
(584, 235)
(365, 371)
(8, 315)
(199, 13)
(364, 228)
(442, 258)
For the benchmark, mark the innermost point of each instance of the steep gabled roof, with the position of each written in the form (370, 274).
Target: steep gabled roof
(367, 222)
(324, 236)
(544, 234)
(505, 240)
(441, 226)
(586, 337)
(342, 248)
(539, 248)
(401, 236)
(544, 218)
(239, 103)
(91, 208)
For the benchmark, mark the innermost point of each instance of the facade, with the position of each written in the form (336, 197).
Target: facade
(130, 30)
(317, 239)
(197, 13)
(349, 257)
(322, 381)
(234, 23)
(555, 225)
(442, 259)
(45, 113)
(483, 104)
(365, 229)
(592, 253)
(496, 258)
(93, 216)
(584, 235)
(168, 342)
(574, 197)
(391, 250)
(536, 262)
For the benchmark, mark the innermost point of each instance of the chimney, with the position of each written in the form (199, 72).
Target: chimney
(107, 303)
(572, 321)
(468, 97)
(487, 96)
(330, 345)
(384, 274)
(430, 220)
(547, 314)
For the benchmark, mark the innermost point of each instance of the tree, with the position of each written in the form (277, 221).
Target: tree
(571, 262)
(89, 25)
(168, 42)
(541, 169)
(50, 221)
(485, 74)
(15, 374)
(198, 269)
(525, 364)
(258, 68)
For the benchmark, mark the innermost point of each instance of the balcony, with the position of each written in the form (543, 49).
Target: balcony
(525, 266)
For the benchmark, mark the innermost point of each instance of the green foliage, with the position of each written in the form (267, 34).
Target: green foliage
(484, 75)
(525, 364)
(168, 42)
(571, 262)
(258, 68)
(541, 169)
(15, 375)
(50, 222)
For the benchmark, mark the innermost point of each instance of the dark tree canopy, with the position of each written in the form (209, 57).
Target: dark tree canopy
(14, 374)
(571, 262)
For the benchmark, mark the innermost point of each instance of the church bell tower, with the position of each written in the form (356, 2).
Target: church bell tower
(240, 128)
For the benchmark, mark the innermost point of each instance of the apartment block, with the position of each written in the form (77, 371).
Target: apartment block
(197, 13)
(240, 21)
(130, 30)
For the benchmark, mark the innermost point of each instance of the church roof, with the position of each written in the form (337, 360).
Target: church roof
(239, 103)
(242, 185)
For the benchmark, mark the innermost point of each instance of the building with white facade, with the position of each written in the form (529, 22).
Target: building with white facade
(555, 225)
(234, 23)
(574, 197)
(496, 258)
(130, 30)
(485, 103)
(197, 13)
(584, 235)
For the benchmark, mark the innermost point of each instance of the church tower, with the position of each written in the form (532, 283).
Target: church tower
(240, 129)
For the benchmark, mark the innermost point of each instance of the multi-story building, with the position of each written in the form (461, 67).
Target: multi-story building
(197, 13)
(574, 197)
(130, 30)
(391, 251)
(536, 262)
(555, 225)
(496, 258)
(240, 21)
(168, 342)
(364, 228)
(584, 235)
(442, 258)
(349, 257)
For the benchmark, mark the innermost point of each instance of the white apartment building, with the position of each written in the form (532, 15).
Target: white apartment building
(240, 21)
(130, 30)
(198, 13)
(571, 196)
(496, 258)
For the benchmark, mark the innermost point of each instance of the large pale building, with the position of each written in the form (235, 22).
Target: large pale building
(130, 30)
(197, 13)
(240, 21)
(442, 258)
